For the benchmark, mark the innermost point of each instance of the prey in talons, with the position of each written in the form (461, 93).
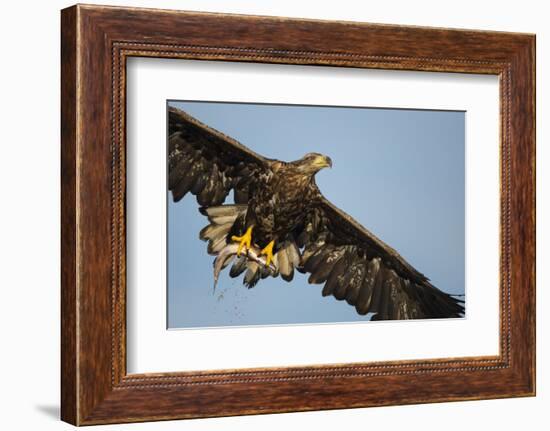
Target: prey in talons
(246, 239)
(227, 255)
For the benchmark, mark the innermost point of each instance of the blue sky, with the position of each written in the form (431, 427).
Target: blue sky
(400, 173)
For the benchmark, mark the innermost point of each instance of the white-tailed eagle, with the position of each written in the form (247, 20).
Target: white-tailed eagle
(280, 222)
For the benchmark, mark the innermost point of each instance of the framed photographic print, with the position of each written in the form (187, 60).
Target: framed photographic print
(265, 214)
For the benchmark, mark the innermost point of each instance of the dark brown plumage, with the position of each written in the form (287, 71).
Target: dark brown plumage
(284, 206)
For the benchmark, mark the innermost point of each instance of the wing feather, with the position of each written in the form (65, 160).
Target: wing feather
(357, 266)
(207, 163)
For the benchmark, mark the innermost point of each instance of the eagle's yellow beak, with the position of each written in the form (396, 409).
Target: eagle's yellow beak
(323, 162)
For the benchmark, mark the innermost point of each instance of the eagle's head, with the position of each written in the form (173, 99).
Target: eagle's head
(312, 163)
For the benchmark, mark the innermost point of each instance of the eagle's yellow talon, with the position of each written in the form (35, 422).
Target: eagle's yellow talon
(244, 241)
(268, 251)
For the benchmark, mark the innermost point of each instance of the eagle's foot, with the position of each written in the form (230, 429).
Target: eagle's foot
(244, 241)
(268, 251)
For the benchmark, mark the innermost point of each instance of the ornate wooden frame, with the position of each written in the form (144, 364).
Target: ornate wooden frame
(95, 43)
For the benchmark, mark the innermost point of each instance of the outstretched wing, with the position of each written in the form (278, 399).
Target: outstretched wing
(356, 266)
(208, 163)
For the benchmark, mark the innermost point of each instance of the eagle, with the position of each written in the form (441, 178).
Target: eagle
(280, 223)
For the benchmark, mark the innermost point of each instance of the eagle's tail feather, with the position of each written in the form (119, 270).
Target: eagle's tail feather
(221, 218)
(288, 258)
(223, 214)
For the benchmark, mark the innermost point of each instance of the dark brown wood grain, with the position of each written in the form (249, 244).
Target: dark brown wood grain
(68, 216)
(96, 41)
